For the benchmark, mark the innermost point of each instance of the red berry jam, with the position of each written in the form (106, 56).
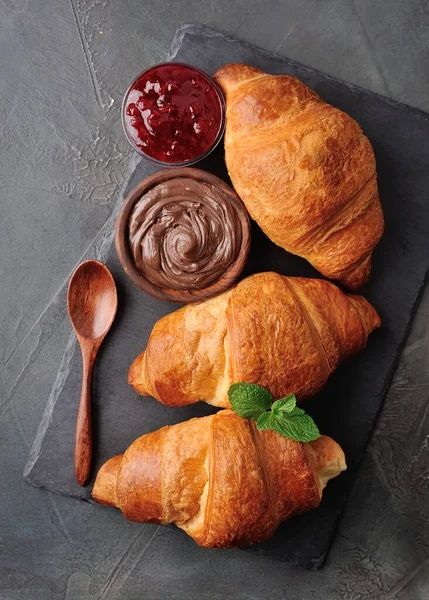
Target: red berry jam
(173, 113)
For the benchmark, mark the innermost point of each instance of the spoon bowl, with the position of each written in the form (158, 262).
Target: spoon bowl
(92, 301)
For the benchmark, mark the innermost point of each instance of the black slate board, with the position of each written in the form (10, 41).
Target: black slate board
(348, 406)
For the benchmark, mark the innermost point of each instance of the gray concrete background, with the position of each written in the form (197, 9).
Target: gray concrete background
(63, 159)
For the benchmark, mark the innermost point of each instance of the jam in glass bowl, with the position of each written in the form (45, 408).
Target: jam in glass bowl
(173, 114)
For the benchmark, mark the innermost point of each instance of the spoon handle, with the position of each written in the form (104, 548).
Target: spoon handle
(83, 444)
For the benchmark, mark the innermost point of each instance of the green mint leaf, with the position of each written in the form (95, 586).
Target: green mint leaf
(252, 401)
(249, 400)
(286, 404)
(265, 421)
(298, 427)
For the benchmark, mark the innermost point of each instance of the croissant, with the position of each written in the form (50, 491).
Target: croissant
(304, 170)
(219, 478)
(284, 333)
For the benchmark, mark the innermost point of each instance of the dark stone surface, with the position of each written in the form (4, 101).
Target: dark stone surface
(63, 69)
(346, 409)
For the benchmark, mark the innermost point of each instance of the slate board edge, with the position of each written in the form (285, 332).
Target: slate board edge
(106, 238)
(99, 250)
(190, 28)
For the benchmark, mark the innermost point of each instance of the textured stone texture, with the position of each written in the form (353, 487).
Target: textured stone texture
(52, 547)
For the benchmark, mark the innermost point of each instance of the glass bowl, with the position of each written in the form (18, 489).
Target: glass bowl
(131, 132)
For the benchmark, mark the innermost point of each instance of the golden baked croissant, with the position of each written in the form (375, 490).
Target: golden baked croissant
(219, 478)
(304, 170)
(287, 334)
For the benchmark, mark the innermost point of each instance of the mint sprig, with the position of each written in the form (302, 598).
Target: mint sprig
(252, 401)
(249, 400)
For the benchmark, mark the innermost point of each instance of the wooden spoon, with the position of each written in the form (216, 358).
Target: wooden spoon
(91, 303)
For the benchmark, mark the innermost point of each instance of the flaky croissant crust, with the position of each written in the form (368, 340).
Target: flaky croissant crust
(304, 170)
(287, 334)
(218, 478)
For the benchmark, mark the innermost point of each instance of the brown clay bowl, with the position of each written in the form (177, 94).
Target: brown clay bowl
(139, 278)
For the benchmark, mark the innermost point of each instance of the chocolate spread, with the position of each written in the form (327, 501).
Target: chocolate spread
(185, 234)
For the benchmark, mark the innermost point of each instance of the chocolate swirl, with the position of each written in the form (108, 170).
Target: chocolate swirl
(185, 234)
